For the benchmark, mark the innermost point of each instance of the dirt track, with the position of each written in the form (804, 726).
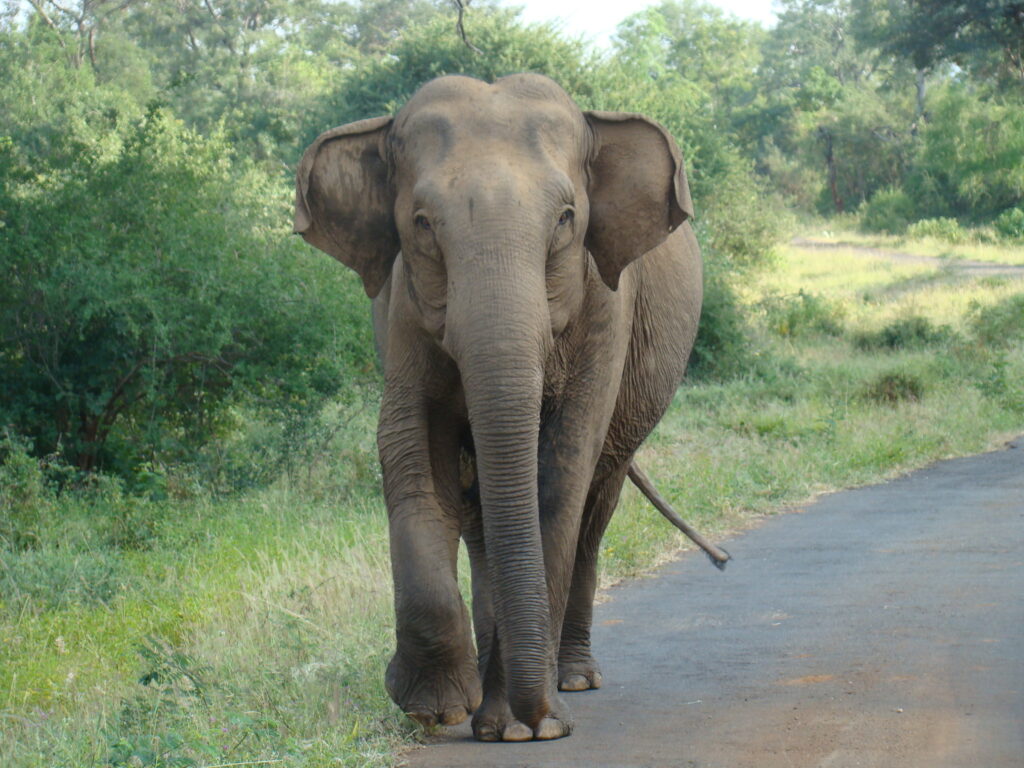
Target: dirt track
(964, 267)
(882, 627)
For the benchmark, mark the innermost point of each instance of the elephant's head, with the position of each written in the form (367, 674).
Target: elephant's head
(502, 200)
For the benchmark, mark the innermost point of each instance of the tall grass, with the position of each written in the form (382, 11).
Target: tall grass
(194, 630)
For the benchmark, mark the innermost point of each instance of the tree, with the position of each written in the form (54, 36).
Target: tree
(711, 50)
(261, 67)
(984, 37)
(971, 160)
(76, 25)
(152, 287)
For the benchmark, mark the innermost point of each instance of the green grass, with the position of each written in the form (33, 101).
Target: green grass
(196, 631)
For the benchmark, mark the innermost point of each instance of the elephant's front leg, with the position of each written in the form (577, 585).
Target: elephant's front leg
(494, 720)
(433, 675)
(570, 441)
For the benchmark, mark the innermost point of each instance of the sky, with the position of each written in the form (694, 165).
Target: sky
(596, 19)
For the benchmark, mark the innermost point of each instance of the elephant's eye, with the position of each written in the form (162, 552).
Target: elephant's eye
(566, 217)
(422, 222)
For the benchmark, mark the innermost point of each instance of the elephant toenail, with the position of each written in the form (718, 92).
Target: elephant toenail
(454, 715)
(574, 683)
(517, 732)
(426, 719)
(550, 728)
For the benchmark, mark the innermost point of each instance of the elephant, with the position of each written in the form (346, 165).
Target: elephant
(536, 289)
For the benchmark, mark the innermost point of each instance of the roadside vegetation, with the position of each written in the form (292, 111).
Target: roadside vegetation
(193, 548)
(197, 630)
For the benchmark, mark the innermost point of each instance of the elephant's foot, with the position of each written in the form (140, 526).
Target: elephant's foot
(579, 675)
(494, 721)
(439, 695)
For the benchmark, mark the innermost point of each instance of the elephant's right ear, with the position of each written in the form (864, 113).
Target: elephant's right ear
(344, 200)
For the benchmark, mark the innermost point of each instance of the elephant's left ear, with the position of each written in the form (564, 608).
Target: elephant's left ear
(638, 190)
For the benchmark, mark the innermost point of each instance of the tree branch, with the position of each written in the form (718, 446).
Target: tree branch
(42, 12)
(461, 6)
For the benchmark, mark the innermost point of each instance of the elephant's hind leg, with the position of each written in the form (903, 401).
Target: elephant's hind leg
(577, 668)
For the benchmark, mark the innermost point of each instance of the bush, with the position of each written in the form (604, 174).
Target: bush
(911, 332)
(723, 345)
(802, 313)
(1001, 324)
(1010, 224)
(893, 388)
(156, 288)
(889, 211)
(943, 228)
(54, 578)
(24, 497)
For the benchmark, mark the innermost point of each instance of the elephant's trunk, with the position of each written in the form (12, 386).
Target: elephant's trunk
(500, 335)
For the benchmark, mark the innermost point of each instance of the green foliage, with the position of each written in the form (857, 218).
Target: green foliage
(53, 113)
(255, 70)
(942, 228)
(911, 332)
(802, 313)
(46, 579)
(982, 37)
(25, 498)
(999, 324)
(867, 132)
(889, 211)
(893, 388)
(381, 85)
(971, 161)
(154, 286)
(1010, 223)
(741, 220)
(723, 347)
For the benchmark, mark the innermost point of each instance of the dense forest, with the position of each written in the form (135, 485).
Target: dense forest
(155, 302)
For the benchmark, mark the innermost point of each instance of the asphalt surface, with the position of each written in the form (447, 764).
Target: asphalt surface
(879, 627)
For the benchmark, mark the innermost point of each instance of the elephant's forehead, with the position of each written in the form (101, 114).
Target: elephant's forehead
(521, 87)
(468, 112)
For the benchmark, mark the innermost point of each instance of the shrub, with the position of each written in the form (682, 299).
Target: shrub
(53, 578)
(738, 219)
(157, 287)
(722, 348)
(905, 333)
(1000, 324)
(888, 211)
(894, 387)
(942, 228)
(802, 313)
(1010, 224)
(1001, 378)
(24, 497)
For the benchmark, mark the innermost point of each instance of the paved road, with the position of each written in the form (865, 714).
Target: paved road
(881, 627)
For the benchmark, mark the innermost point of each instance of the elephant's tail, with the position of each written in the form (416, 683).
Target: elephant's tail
(718, 556)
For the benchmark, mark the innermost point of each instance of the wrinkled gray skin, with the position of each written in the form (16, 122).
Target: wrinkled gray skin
(528, 350)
